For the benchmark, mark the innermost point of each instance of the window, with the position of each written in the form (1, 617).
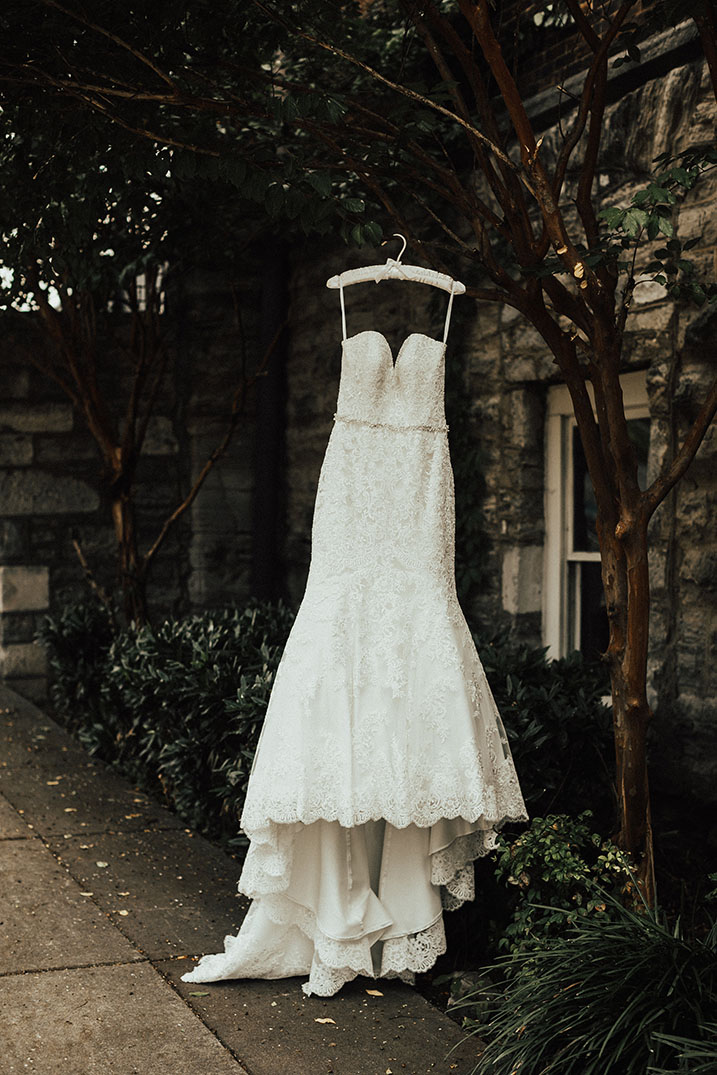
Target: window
(573, 605)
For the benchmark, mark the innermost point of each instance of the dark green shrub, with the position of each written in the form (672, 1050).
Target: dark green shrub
(560, 732)
(626, 995)
(558, 870)
(192, 695)
(177, 707)
(78, 640)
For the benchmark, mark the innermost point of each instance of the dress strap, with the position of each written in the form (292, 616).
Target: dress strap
(343, 308)
(448, 315)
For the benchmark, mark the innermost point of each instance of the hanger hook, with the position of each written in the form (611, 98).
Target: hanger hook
(397, 235)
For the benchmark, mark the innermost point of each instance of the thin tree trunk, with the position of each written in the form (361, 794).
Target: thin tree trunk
(627, 589)
(131, 567)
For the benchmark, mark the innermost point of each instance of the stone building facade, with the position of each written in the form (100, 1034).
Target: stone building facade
(248, 533)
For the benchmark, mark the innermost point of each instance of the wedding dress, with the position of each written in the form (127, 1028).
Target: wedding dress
(383, 769)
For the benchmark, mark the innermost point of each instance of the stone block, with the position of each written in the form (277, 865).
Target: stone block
(700, 566)
(522, 579)
(22, 659)
(13, 540)
(18, 626)
(160, 438)
(16, 382)
(15, 450)
(24, 589)
(32, 688)
(648, 290)
(40, 493)
(36, 417)
(64, 448)
(654, 318)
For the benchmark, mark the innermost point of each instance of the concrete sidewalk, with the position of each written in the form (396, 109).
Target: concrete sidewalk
(104, 899)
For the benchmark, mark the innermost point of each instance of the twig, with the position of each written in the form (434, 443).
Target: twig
(98, 589)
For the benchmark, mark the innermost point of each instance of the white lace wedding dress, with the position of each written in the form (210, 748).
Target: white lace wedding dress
(383, 769)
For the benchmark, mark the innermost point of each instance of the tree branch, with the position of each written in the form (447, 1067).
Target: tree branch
(405, 91)
(114, 39)
(656, 493)
(237, 409)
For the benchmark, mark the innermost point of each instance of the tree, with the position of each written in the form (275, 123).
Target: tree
(411, 114)
(91, 247)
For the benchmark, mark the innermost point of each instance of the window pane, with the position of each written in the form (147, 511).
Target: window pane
(584, 506)
(594, 631)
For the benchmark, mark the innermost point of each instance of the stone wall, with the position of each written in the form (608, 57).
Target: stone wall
(53, 488)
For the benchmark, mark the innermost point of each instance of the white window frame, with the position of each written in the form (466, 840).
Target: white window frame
(558, 502)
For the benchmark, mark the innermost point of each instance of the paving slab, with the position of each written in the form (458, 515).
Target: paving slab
(12, 825)
(59, 788)
(278, 1031)
(122, 1020)
(46, 921)
(177, 891)
(26, 730)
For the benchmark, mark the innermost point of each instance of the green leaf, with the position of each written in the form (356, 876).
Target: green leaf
(321, 182)
(373, 232)
(635, 220)
(612, 216)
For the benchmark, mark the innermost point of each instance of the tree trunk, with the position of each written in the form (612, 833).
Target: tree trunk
(627, 589)
(132, 572)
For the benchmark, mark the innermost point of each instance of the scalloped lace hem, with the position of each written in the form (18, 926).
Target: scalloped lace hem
(424, 815)
(330, 963)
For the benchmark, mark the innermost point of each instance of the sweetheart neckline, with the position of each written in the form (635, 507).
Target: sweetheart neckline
(394, 360)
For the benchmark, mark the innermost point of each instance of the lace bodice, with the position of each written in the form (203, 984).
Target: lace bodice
(407, 392)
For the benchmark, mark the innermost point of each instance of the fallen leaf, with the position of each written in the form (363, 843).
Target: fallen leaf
(87, 893)
(325, 1021)
(102, 864)
(128, 817)
(123, 913)
(123, 893)
(70, 810)
(52, 783)
(199, 994)
(374, 992)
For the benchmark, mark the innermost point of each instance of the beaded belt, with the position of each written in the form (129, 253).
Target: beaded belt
(385, 425)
